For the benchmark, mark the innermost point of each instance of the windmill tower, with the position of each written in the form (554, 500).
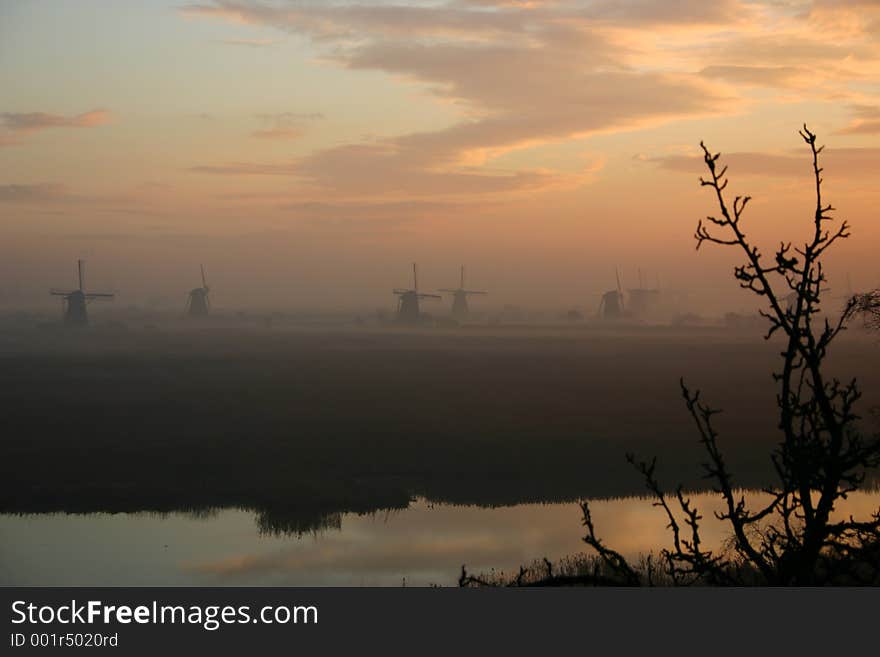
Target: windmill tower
(643, 300)
(460, 308)
(197, 303)
(611, 305)
(75, 313)
(408, 311)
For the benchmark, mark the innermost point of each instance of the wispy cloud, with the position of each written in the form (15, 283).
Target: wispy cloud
(382, 168)
(866, 121)
(247, 169)
(8, 139)
(60, 196)
(844, 162)
(27, 122)
(284, 125)
(14, 126)
(249, 43)
(291, 116)
(31, 193)
(277, 133)
(525, 74)
(762, 76)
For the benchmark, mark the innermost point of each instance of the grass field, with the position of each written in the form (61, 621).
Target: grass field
(300, 424)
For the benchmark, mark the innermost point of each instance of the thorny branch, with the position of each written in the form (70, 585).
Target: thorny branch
(821, 458)
(792, 539)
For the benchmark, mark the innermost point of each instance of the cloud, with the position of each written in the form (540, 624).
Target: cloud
(801, 47)
(523, 77)
(378, 169)
(342, 21)
(762, 76)
(327, 21)
(249, 43)
(838, 162)
(524, 74)
(33, 193)
(8, 139)
(45, 196)
(28, 122)
(866, 121)
(666, 12)
(322, 209)
(372, 218)
(247, 169)
(16, 125)
(291, 116)
(367, 216)
(284, 125)
(871, 127)
(278, 133)
(866, 111)
(853, 15)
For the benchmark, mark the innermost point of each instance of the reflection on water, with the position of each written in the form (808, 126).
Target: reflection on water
(423, 544)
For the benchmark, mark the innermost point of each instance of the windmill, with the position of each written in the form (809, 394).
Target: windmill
(643, 299)
(791, 299)
(408, 304)
(75, 313)
(611, 305)
(197, 304)
(460, 308)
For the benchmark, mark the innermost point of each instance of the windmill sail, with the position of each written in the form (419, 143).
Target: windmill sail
(75, 301)
(197, 301)
(460, 308)
(408, 310)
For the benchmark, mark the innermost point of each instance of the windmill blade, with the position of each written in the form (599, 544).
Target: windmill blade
(100, 295)
(475, 292)
(61, 293)
(447, 289)
(400, 290)
(428, 296)
(619, 288)
(79, 267)
(462, 276)
(204, 280)
(415, 277)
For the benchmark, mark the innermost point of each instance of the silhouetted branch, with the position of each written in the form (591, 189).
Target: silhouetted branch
(868, 306)
(821, 458)
(613, 559)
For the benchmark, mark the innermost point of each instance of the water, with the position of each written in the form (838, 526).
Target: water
(421, 545)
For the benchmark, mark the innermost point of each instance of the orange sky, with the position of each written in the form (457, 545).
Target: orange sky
(307, 152)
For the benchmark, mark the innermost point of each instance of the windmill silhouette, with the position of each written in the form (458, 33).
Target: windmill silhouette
(75, 313)
(408, 311)
(197, 303)
(460, 308)
(643, 300)
(611, 305)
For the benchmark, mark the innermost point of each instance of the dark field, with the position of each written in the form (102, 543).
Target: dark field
(301, 424)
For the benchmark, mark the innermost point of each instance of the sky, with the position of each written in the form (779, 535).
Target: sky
(308, 152)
